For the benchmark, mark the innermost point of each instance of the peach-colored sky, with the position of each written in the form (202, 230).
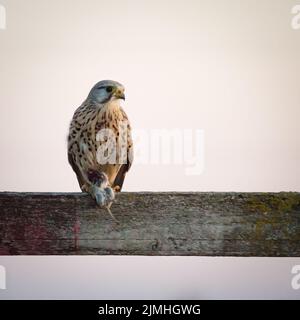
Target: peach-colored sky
(230, 68)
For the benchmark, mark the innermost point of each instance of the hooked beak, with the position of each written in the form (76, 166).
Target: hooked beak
(119, 94)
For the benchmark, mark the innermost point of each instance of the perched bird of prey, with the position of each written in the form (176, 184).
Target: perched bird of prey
(100, 147)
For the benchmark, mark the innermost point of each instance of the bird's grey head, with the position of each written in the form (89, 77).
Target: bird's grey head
(107, 90)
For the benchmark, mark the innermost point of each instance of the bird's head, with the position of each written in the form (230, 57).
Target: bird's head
(107, 90)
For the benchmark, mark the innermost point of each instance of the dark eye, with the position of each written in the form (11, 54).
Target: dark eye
(109, 89)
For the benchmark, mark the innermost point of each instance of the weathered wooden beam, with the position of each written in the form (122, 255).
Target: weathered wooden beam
(170, 223)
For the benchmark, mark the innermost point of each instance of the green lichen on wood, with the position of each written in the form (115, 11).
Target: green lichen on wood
(275, 218)
(281, 203)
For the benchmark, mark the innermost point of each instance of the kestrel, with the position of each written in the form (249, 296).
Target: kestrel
(100, 147)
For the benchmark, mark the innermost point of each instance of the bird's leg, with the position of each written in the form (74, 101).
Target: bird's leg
(101, 191)
(116, 188)
(85, 187)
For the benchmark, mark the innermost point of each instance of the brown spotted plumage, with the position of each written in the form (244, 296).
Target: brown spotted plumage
(100, 148)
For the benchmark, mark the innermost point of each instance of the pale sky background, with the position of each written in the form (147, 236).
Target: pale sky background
(228, 67)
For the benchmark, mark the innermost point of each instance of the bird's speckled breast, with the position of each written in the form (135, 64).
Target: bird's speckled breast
(88, 121)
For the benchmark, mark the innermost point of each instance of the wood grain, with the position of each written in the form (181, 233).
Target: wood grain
(151, 223)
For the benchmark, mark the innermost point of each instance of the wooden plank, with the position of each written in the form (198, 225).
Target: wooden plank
(151, 223)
